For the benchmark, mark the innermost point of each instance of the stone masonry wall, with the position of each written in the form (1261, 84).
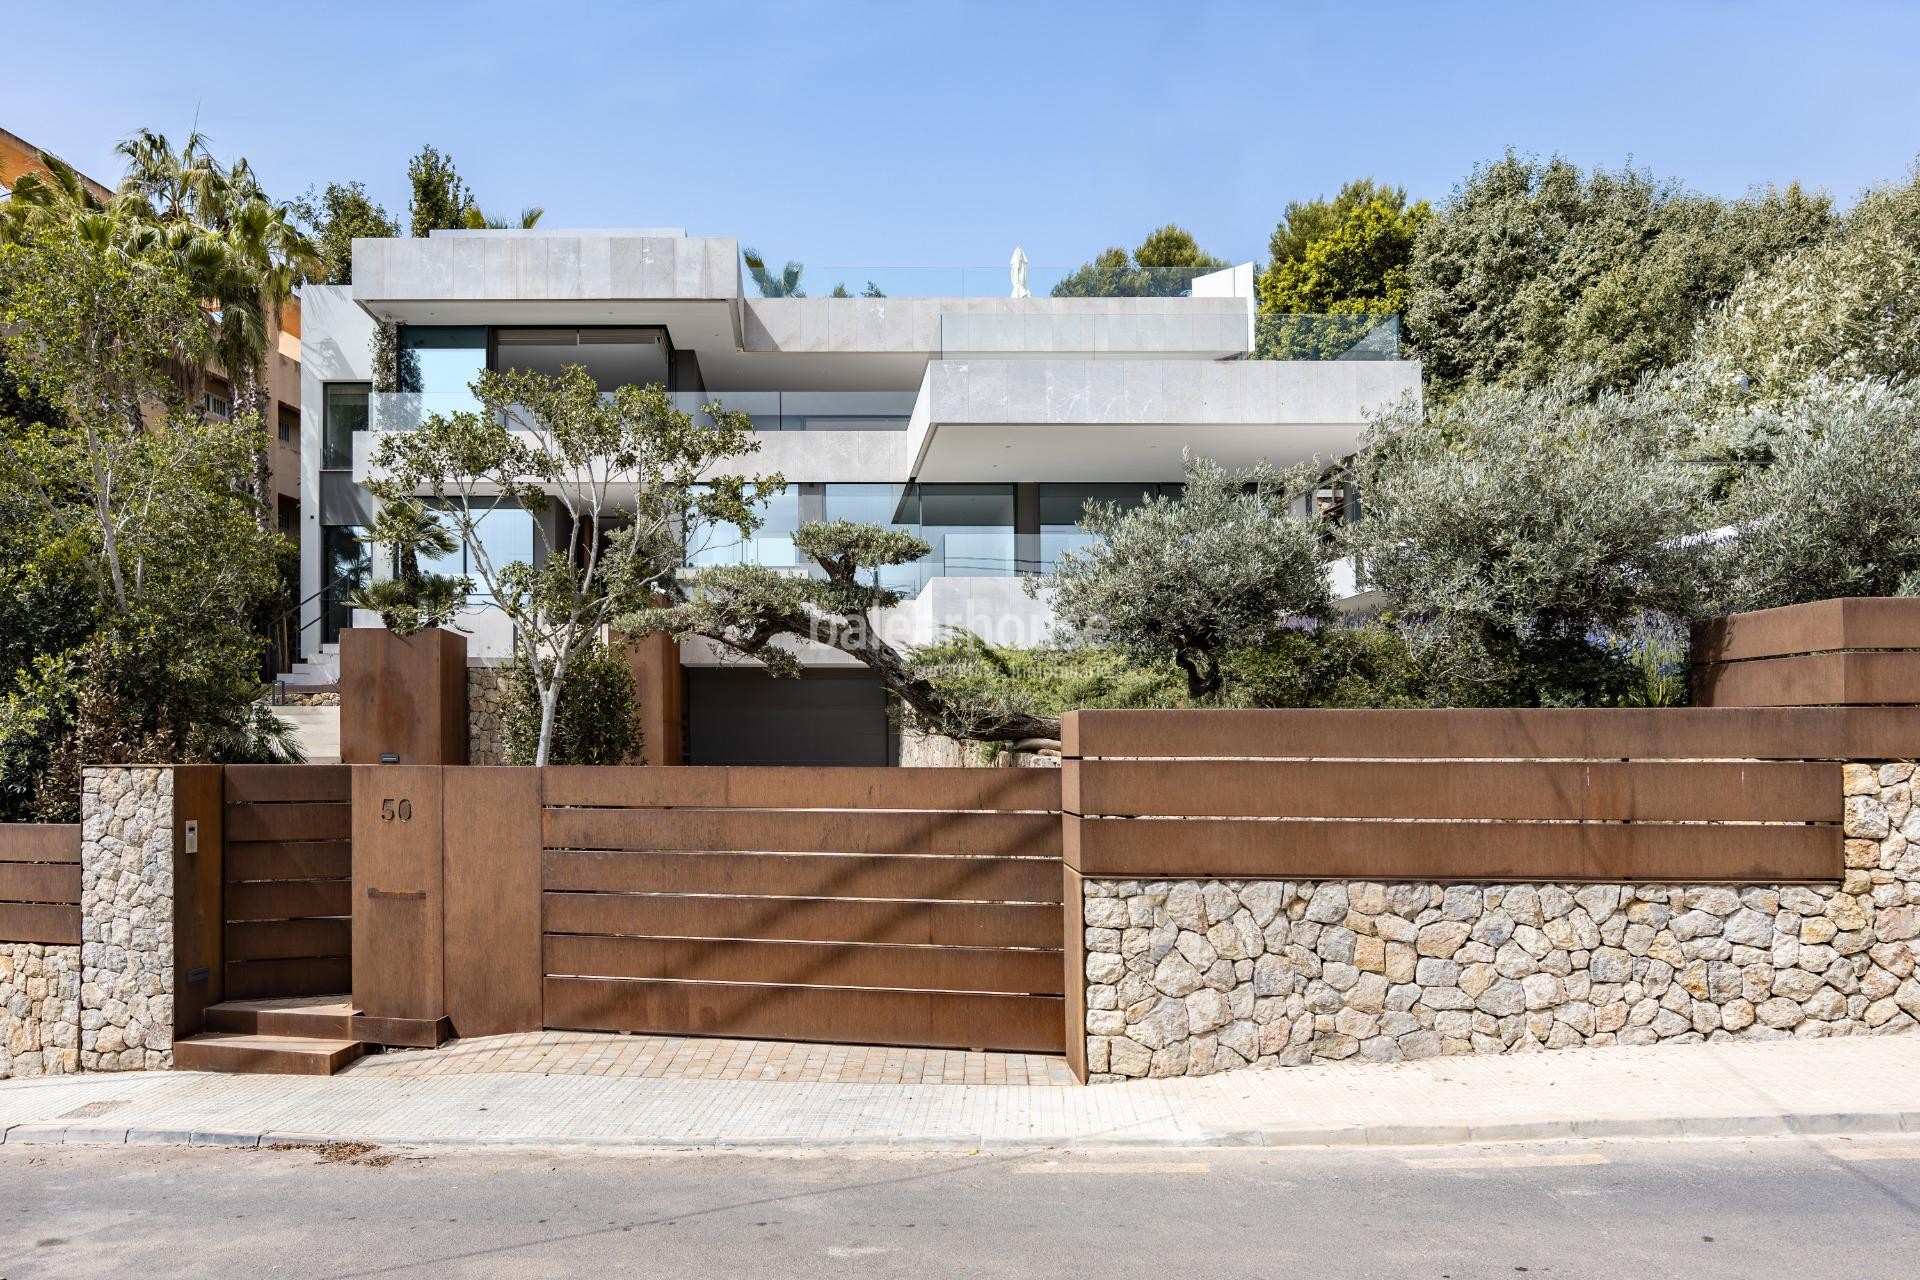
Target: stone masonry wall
(486, 699)
(1190, 977)
(39, 1009)
(126, 919)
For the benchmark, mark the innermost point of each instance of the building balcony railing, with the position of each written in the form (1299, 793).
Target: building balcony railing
(807, 410)
(770, 410)
(1077, 280)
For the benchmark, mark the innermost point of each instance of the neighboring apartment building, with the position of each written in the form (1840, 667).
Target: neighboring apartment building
(281, 410)
(981, 423)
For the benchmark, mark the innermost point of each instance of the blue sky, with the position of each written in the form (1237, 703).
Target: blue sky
(939, 134)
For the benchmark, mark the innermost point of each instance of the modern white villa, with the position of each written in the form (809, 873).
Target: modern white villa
(982, 423)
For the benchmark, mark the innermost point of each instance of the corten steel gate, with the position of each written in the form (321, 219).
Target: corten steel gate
(862, 905)
(287, 869)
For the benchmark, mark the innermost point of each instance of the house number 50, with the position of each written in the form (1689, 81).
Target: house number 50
(391, 809)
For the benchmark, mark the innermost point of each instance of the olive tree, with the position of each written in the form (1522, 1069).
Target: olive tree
(1832, 512)
(761, 613)
(628, 473)
(1515, 528)
(1185, 579)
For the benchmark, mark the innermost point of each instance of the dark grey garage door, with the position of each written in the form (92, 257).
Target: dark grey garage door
(745, 716)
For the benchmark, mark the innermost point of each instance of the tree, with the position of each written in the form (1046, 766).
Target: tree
(1844, 307)
(597, 721)
(1306, 221)
(240, 251)
(440, 198)
(1833, 513)
(411, 601)
(1512, 529)
(339, 215)
(760, 613)
(134, 518)
(1184, 579)
(1347, 257)
(1536, 272)
(552, 443)
(784, 285)
(1164, 266)
(475, 220)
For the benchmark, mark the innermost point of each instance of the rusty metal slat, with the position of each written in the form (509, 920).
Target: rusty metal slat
(959, 924)
(288, 899)
(278, 783)
(52, 923)
(1610, 733)
(806, 875)
(1859, 622)
(801, 964)
(1019, 1024)
(55, 882)
(288, 939)
(40, 842)
(803, 831)
(777, 787)
(268, 860)
(1363, 850)
(1810, 680)
(306, 976)
(300, 821)
(1747, 791)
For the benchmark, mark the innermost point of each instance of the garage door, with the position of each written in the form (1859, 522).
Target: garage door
(745, 716)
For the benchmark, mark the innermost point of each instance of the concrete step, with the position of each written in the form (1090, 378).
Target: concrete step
(263, 1055)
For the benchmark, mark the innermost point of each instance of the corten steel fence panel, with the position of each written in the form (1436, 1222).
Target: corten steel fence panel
(40, 883)
(1848, 652)
(287, 880)
(1681, 795)
(915, 907)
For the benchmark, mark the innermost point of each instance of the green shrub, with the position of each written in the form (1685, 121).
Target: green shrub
(597, 721)
(1365, 664)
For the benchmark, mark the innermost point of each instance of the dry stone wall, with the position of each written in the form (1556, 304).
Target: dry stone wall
(1189, 977)
(486, 701)
(126, 919)
(39, 1009)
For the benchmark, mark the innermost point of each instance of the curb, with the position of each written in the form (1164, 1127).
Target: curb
(1404, 1135)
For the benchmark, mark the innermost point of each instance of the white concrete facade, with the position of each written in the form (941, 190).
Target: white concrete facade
(1001, 402)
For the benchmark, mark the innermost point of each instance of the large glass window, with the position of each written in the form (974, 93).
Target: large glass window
(970, 527)
(1061, 506)
(891, 505)
(345, 409)
(614, 357)
(771, 544)
(506, 535)
(344, 567)
(440, 362)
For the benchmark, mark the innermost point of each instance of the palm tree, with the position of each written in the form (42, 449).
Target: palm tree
(477, 221)
(242, 251)
(785, 285)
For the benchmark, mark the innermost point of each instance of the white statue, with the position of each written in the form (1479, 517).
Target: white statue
(1019, 265)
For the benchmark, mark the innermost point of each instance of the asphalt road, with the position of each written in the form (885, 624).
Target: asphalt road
(1742, 1209)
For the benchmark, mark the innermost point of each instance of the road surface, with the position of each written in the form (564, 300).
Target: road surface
(1698, 1209)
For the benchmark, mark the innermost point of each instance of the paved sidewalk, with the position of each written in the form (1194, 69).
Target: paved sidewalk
(1855, 1085)
(592, 1053)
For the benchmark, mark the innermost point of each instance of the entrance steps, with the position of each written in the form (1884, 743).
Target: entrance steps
(264, 1055)
(303, 1035)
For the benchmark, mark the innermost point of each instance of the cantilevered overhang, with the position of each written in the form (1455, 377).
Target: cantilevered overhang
(689, 284)
(1123, 419)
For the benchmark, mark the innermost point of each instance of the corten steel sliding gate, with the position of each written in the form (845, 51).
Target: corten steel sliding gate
(863, 905)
